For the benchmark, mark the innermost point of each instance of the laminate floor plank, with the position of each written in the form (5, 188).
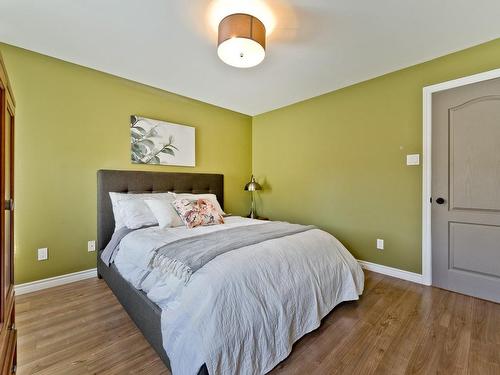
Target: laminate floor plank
(397, 327)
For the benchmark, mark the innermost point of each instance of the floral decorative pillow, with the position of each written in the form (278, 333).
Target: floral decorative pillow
(195, 213)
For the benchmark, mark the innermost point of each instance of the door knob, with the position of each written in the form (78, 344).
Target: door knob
(440, 200)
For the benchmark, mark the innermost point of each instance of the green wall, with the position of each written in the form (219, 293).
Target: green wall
(72, 121)
(338, 160)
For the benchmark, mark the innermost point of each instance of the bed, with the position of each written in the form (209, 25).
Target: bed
(147, 315)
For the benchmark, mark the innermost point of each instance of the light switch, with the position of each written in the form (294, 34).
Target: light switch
(380, 244)
(413, 159)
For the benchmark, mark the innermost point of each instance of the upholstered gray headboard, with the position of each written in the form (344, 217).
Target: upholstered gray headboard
(147, 182)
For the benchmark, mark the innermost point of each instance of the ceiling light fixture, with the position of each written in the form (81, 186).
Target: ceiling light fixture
(242, 40)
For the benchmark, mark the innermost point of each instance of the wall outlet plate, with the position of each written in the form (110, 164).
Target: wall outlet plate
(43, 253)
(91, 246)
(380, 244)
(413, 159)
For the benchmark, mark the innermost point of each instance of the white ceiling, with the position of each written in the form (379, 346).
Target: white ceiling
(317, 46)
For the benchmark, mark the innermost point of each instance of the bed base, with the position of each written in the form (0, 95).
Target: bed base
(145, 314)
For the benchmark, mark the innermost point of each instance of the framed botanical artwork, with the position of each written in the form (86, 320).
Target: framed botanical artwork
(160, 142)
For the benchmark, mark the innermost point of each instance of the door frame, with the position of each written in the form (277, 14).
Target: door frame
(428, 91)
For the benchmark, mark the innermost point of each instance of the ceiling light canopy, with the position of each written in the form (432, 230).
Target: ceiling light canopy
(242, 40)
(260, 9)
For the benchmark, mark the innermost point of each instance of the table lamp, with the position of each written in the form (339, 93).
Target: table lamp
(253, 186)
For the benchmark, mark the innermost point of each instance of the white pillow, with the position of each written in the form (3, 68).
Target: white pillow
(211, 197)
(136, 213)
(164, 212)
(121, 214)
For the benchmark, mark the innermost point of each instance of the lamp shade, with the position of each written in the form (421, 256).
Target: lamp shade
(253, 185)
(242, 40)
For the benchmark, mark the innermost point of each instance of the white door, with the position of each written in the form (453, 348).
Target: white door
(466, 189)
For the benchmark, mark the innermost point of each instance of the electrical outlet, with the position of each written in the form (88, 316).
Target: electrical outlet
(91, 246)
(43, 253)
(380, 244)
(413, 159)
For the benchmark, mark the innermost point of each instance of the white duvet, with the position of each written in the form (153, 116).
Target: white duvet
(242, 312)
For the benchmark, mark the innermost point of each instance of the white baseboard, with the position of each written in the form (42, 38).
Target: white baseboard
(87, 274)
(54, 281)
(394, 272)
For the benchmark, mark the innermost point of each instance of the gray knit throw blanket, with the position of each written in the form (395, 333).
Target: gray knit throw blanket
(185, 256)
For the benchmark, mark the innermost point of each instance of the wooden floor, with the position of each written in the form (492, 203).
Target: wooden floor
(397, 327)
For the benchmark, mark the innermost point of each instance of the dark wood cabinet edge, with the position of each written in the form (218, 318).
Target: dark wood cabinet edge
(8, 333)
(5, 78)
(9, 359)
